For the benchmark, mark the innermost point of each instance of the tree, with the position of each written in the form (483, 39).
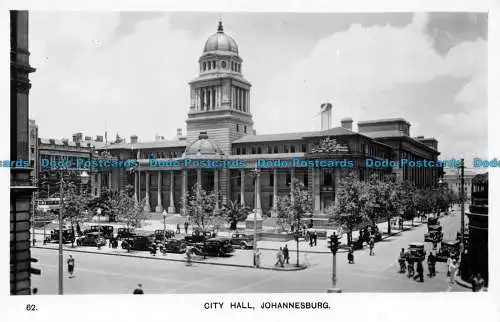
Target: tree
(346, 212)
(201, 207)
(233, 212)
(75, 206)
(296, 207)
(127, 210)
(104, 201)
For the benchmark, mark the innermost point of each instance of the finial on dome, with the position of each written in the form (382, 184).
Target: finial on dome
(220, 29)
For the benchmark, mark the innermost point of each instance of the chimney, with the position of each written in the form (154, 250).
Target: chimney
(133, 139)
(179, 132)
(99, 138)
(326, 116)
(254, 132)
(88, 138)
(78, 137)
(346, 123)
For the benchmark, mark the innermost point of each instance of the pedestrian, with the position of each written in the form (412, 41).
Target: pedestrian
(178, 230)
(279, 258)
(315, 239)
(453, 271)
(186, 225)
(188, 256)
(448, 263)
(286, 254)
(480, 282)
(372, 245)
(431, 263)
(138, 290)
(71, 265)
(411, 267)
(420, 271)
(35, 291)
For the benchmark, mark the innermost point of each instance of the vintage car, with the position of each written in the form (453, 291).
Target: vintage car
(416, 251)
(217, 246)
(449, 248)
(158, 235)
(434, 234)
(106, 231)
(125, 233)
(174, 246)
(91, 239)
(138, 242)
(368, 231)
(199, 236)
(433, 221)
(68, 236)
(242, 240)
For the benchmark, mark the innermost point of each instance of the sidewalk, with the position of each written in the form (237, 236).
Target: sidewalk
(240, 258)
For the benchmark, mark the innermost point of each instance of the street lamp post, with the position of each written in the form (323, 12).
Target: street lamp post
(99, 210)
(164, 225)
(256, 174)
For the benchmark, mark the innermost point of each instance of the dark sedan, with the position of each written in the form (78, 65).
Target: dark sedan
(137, 243)
(217, 247)
(174, 246)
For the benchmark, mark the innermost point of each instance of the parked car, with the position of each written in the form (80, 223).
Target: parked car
(217, 247)
(433, 235)
(138, 243)
(125, 233)
(174, 246)
(242, 241)
(416, 251)
(158, 235)
(68, 236)
(199, 236)
(432, 221)
(91, 239)
(106, 231)
(449, 248)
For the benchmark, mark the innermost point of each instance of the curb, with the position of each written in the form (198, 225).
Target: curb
(302, 267)
(463, 283)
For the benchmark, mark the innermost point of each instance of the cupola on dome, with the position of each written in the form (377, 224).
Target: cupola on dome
(220, 42)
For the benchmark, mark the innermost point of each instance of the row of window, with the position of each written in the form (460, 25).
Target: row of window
(271, 149)
(212, 64)
(160, 155)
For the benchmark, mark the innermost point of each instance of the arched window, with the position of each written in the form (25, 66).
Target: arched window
(204, 66)
(213, 64)
(232, 65)
(292, 148)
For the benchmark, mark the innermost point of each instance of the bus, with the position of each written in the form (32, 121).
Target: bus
(49, 205)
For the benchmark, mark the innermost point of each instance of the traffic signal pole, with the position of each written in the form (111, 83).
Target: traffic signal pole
(334, 246)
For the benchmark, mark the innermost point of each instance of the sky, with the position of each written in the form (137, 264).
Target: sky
(128, 72)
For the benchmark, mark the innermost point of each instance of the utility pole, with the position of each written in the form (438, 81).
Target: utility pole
(462, 210)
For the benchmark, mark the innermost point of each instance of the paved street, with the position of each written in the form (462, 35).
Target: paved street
(100, 274)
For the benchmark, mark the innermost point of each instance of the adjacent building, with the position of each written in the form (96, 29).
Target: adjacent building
(21, 181)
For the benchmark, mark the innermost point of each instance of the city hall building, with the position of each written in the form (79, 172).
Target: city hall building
(220, 126)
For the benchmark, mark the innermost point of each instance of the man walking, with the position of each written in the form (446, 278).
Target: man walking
(286, 254)
(420, 271)
(186, 224)
(71, 265)
(431, 262)
(453, 271)
(372, 245)
(138, 290)
(178, 230)
(315, 238)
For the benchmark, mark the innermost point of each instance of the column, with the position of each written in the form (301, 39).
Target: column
(171, 207)
(184, 191)
(316, 188)
(159, 206)
(198, 181)
(214, 98)
(110, 179)
(248, 102)
(216, 187)
(147, 207)
(244, 101)
(274, 211)
(99, 184)
(257, 183)
(242, 187)
(209, 98)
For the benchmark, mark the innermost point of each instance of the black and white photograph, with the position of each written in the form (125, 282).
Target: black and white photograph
(249, 152)
(211, 153)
